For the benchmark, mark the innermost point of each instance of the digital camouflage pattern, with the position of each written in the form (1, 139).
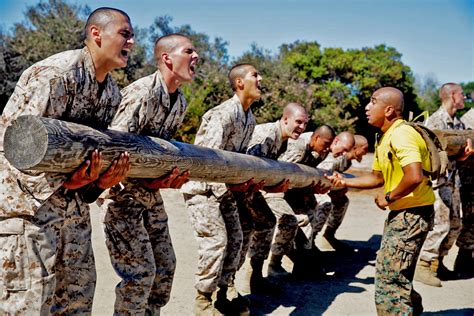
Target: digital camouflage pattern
(136, 223)
(302, 200)
(402, 239)
(267, 142)
(35, 212)
(219, 221)
(447, 219)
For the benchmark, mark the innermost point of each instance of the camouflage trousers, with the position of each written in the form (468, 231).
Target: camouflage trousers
(219, 235)
(303, 203)
(286, 224)
(330, 211)
(403, 237)
(46, 260)
(447, 224)
(466, 174)
(141, 253)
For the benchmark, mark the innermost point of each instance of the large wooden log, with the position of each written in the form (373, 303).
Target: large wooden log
(42, 144)
(453, 140)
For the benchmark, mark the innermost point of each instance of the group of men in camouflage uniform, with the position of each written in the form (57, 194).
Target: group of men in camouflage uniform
(46, 258)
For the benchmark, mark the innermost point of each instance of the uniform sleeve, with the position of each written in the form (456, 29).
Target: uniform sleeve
(127, 113)
(435, 121)
(294, 153)
(216, 131)
(406, 145)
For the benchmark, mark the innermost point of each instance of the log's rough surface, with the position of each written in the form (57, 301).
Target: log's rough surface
(43, 144)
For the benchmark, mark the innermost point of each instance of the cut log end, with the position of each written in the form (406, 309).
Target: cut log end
(25, 147)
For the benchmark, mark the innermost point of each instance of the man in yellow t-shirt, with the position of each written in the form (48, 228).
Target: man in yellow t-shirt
(400, 157)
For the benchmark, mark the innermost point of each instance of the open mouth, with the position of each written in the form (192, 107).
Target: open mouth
(192, 68)
(124, 53)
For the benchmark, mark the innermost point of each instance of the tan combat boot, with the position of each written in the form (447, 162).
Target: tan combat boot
(203, 304)
(424, 273)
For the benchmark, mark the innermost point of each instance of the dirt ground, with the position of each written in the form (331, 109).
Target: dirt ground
(348, 291)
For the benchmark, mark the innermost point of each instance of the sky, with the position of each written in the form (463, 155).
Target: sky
(435, 37)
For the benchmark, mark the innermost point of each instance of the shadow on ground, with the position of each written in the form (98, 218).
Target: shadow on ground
(313, 297)
(452, 312)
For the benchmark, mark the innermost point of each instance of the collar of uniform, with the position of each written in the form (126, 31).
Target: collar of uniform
(240, 109)
(89, 63)
(159, 85)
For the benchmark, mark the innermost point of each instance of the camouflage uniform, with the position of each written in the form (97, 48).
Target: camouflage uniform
(302, 200)
(46, 258)
(331, 211)
(136, 223)
(447, 223)
(267, 142)
(213, 209)
(466, 175)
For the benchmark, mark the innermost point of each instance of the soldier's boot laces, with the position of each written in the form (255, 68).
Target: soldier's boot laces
(203, 304)
(425, 274)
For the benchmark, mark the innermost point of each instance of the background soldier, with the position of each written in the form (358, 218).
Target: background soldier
(338, 200)
(212, 206)
(398, 166)
(447, 223)
(270, 140)
(49, 212)
(136, 223)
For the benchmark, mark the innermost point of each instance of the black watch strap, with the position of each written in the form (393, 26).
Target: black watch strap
(387, 197)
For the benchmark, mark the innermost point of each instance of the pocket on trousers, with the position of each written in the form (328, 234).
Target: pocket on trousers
(14, 261)
(406, 254)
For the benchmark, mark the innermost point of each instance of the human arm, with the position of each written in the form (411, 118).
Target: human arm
(367, 181)
(278, 188)
(412, 177)
(90, 184)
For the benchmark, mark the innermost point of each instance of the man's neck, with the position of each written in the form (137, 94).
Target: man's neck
(450, 109)
(244, 100)
(172, 83)
(388, 123)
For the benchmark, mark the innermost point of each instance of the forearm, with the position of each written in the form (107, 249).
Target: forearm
(367, 181)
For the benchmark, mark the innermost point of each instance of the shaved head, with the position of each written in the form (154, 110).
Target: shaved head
(325, 131)
(101, 17)
(238, 71)
(292, 109)
(167, 44)
(342, 143)
(360, 141)
(392, 96)
(446, 90)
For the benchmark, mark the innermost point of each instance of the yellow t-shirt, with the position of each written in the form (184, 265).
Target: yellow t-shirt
(399, 147)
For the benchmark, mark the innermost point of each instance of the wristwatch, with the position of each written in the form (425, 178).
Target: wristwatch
(387, 197)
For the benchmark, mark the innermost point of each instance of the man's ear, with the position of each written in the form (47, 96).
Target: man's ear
(95, 33)
(239, 83)
(166, 59)
(389, 111)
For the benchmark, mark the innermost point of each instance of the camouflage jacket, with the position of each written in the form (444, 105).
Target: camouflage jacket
(267, 141)
(298, 151)
(63, 87)
(339, 164)
(225, 127)
(146, 109)
(468, 119)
